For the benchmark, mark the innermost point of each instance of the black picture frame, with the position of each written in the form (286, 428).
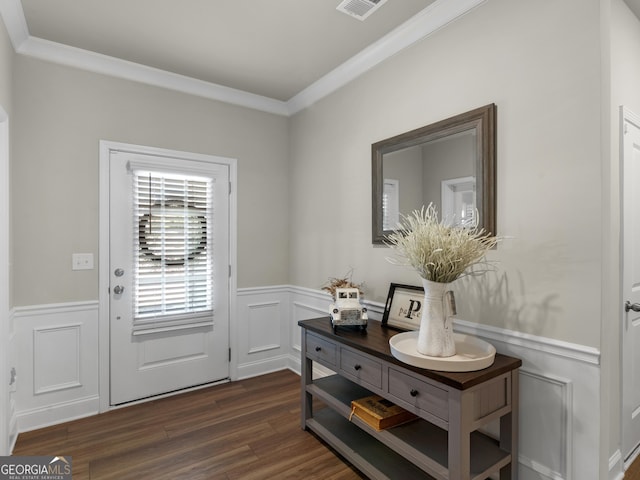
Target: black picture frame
(403, 308)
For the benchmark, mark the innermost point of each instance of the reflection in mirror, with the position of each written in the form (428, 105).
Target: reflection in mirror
(441, 172)
(449, 163)
(458, 207)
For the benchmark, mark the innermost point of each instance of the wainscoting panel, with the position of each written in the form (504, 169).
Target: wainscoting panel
(56, 359)
(263, 335)
(559, 400)
(264, 326)
(559, 381)
(305, 304)
(547, 402)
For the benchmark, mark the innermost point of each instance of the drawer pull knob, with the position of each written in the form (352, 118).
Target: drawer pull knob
(318, 349)
(357, 367)
(413, 392)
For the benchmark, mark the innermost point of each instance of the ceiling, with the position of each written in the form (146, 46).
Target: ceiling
(273, 48)
(274, 55)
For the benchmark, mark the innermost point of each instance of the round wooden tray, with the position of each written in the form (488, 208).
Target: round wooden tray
(471, 353)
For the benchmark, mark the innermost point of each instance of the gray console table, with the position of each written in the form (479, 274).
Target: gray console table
(444, 443)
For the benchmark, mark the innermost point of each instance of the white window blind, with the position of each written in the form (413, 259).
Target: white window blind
(172, 250)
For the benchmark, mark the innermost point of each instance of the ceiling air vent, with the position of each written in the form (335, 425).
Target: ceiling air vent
(360, 9)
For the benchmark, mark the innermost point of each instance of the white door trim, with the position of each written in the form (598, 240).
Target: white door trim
(4, 284)
(106, 147)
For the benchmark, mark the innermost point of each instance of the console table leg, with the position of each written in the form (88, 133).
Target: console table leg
(460, 405)
(509, 432)
(306, 378)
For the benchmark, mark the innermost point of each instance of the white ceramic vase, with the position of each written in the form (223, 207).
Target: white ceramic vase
(435, 337)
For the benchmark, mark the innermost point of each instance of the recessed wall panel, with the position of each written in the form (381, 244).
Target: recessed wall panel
(547, 404)
(56, 358)
(264, 326)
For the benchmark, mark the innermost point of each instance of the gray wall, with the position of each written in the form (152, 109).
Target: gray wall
(547, 90)
(6, 67)
(6, 102)
(62, 114)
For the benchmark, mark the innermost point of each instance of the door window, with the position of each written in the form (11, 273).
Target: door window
(172, 216)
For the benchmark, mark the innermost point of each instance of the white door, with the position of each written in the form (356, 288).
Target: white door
(630, 125)
(169, 274)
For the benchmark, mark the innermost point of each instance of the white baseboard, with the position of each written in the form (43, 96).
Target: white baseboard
(616, 466)
(262, 367)
(51, 414)
(295, 364)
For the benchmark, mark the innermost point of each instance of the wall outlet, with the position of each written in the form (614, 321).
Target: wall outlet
(82, 261)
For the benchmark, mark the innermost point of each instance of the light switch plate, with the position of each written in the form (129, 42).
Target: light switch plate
(82, 261)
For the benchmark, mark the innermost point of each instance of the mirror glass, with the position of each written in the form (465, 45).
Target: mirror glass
(450, 163)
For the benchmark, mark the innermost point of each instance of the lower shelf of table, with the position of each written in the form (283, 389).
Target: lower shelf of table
(368, 455)
(418, 443)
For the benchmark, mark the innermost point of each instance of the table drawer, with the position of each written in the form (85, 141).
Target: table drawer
(321, 350)
(362, 369)
(423, 395)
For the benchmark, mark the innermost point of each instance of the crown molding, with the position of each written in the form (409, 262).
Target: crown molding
(104, 64)
(14, 21)
(437, 15)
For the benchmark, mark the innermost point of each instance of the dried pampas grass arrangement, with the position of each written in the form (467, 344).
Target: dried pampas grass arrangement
(440, 253)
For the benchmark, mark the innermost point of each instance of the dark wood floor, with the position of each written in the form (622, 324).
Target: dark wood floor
(633, 472)
(243, 430)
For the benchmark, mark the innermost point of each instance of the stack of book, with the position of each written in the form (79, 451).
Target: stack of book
(380, 413)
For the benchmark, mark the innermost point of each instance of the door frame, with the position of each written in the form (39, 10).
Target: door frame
(5, 330)
(628, 453)
(106, 147)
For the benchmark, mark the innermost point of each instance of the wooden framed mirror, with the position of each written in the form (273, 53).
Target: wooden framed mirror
(450, 163)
